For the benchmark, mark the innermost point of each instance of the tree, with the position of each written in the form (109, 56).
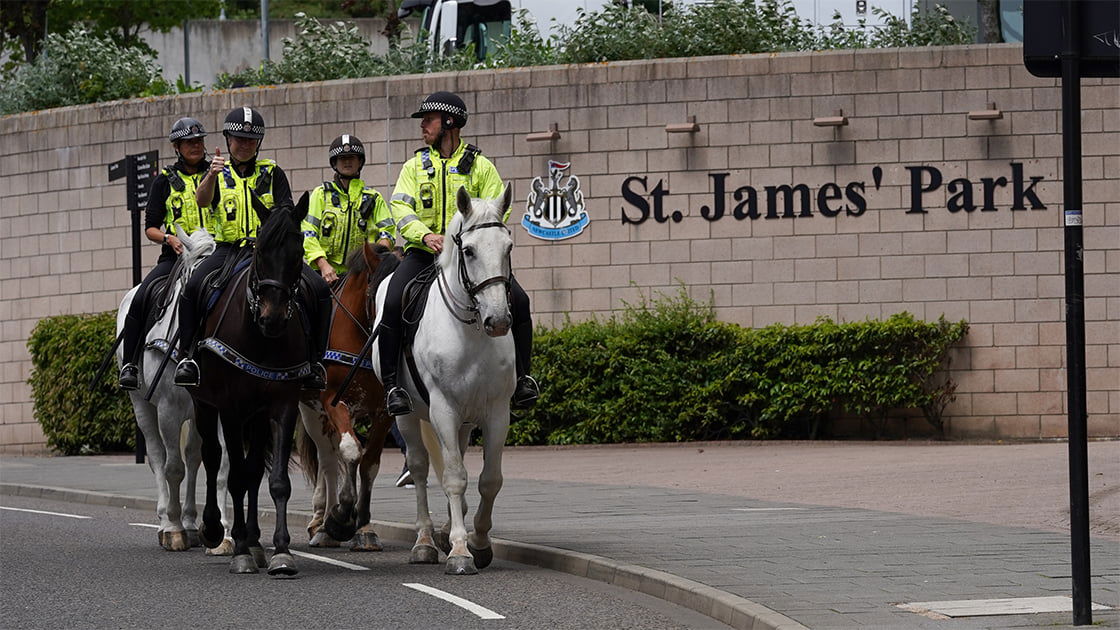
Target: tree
(990, 29)
(124, 19)
(23, 25)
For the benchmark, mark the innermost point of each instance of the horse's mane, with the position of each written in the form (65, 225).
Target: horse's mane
(278, 225)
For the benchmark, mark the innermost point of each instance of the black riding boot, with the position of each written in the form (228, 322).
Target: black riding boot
(397, 400)
(129, 377)
(186, 373)
(527, 391)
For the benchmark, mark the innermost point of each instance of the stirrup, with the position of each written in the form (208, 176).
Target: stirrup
(186, 374)
(526, 393)
(398, 402)
(317, 379)
(129, 378)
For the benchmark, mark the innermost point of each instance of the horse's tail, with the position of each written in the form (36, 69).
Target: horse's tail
(308, 454)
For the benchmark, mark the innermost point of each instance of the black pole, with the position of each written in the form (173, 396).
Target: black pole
(1075, 317)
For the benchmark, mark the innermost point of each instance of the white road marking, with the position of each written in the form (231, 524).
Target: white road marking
(466, 604)
(42, 512)
(773, 509)
(337, 563)
(144, 525)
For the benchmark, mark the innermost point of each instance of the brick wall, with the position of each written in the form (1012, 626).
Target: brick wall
(64, 241)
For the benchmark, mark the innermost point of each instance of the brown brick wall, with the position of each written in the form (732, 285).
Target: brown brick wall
(64, 242)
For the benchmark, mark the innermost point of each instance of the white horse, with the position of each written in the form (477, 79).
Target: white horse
(465, 359)
(167, 420)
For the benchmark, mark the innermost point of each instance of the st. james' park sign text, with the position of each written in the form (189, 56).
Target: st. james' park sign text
(831, 199)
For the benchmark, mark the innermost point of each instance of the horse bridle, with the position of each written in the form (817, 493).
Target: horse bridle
(471, 287)
(253, 286)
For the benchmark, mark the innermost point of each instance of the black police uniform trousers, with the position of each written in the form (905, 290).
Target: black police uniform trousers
(134, 320)
(391, 328)
(317, 306)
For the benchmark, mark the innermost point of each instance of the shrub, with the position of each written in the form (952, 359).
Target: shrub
(81, 67)
(65, 352)
(666, 370)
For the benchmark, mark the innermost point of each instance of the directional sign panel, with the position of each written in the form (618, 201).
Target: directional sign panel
(142, 169)
(1098, 37)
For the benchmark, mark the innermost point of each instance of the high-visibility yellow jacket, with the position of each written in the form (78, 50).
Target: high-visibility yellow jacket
(424, 198)
(341, 221)
(234, 215)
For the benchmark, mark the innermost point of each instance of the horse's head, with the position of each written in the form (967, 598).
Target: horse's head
(481, 253)
(275, 272)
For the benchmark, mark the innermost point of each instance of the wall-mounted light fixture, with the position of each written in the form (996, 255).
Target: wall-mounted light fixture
(553, 133)
(686, 127)
(986, 114)
(836, 120)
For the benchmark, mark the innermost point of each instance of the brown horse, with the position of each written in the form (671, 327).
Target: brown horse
(330, 443)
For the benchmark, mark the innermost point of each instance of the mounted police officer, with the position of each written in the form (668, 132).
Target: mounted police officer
(239, 194)
(344, 214)
(171, 202)
(423, 204)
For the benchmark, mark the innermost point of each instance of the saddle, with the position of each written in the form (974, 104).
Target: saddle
(413, 305)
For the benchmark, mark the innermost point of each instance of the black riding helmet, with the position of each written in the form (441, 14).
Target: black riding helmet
(244, 122)
(447, 103)
(347, 144)
(186, 129)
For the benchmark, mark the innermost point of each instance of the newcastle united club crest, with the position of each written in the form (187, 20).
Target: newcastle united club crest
(556, 211)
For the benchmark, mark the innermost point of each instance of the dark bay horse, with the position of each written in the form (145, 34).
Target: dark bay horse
(252, 355)
(330, 443)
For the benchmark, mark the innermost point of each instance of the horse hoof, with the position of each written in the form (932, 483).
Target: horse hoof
(243, 564)
(224, 549)
(322, 539)
(192, 538)
(282, 564)
(340, 530)
(211, 538)
(366, 541)
(175, 541)
(259, 556)
(460, 565)
(424, 554)
(442, 540)
(482, 557)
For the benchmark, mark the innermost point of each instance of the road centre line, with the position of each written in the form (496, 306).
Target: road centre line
(337, 563)
(773, 509)
(44, 512)
(466, 604)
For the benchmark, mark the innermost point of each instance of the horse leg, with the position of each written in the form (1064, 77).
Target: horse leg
(443, 534)
(242, 562)
(211, 531)
(255, 464)
(365, 539)
(226, 547)
(341, 522)
(325, 461)
(423, 550)
(170, 428)
(280, 486)
(147, 418)
(447, 425)
(494, 430)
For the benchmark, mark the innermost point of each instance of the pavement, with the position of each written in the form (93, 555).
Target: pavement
(758, 534)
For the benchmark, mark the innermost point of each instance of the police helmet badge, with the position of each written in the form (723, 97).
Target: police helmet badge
(556, 211)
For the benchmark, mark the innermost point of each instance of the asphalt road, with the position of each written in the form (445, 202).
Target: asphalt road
(107, 571)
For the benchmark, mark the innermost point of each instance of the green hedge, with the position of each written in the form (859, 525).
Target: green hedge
(663, 370)
(666, 370)
(65, 352)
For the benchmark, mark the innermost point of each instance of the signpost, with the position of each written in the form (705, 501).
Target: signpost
(138, 170)
(1071, 39)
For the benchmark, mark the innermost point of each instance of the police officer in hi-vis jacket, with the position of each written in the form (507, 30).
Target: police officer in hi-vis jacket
(423, 204)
